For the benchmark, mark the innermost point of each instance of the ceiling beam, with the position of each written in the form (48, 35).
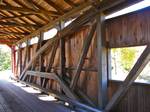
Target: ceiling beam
(6, 42)
(18, 20)
(101, 6)
(14, 17)
(121, 6)
(6, 38)
(51, 24)
(18, 24)
(13, 33)
(32, 5)
(71, 3)
(56, 7)
(26, 10)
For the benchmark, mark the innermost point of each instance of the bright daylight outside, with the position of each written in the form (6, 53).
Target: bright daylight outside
(122, 61)
(5, 62)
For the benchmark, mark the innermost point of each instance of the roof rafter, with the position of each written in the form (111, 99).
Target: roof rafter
(34, 7)
(51, 3)
(18, 24)
(73, 12)
(101, 6)
(13, 33)
(14, 17)
(71, 3)
(6, 37)
(19, 20)
(26, 10)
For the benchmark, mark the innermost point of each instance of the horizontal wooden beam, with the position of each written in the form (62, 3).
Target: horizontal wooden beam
(26, 10)
(75, 68)
(61, 97)
(52, 24)
(53, 76)
(76, 11)
(71, 3)
(14, 17)
(5, 37)
(60, 10)
(121, 6)
(5, 40)
(40, 74)
(18, 24)
(12, 33)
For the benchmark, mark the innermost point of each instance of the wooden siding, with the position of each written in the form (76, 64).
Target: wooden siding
(88, 80)
(74, 43)
(129, 30)
(136, 100)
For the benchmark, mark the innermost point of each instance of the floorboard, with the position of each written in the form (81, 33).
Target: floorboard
(15, 99)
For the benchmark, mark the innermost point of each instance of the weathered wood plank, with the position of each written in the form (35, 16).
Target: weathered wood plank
(129, 30)
(50, 62)
(55, 76)
(85, 49)
(20, 59)
(12, 24)
(62, 53)
(102, 62)
(63, 98)
(19, 100)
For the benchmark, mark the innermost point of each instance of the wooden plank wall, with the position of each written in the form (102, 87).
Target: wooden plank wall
(129, 30)
(136, 100)
(73, 44)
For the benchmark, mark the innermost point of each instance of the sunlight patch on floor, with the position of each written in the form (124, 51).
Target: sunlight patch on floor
(30, 90)
(46, 98)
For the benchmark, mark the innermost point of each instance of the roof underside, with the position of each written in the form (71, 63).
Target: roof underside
(20, 18)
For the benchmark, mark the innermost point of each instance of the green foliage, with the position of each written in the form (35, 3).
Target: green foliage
(5, 60)
(127, 58)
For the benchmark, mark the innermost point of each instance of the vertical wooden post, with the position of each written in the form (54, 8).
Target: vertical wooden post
(62, 53)
(13, 59)
(102, 62)
(17, 66)
(108, 64)
(28, 51)
(20, 59)
(27, 57)
(40, 56)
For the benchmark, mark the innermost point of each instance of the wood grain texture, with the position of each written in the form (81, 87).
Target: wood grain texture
(18, 100)
(129, 30)
(137, 98)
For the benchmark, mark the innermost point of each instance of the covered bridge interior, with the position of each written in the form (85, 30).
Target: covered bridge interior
(74, 66)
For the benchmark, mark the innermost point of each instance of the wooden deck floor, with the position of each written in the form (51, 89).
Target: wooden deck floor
(15, 99)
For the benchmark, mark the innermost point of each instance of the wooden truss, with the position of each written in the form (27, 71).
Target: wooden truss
(69, 87)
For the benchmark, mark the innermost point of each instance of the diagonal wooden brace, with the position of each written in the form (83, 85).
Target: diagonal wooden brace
(133, 74)
(84, 52)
